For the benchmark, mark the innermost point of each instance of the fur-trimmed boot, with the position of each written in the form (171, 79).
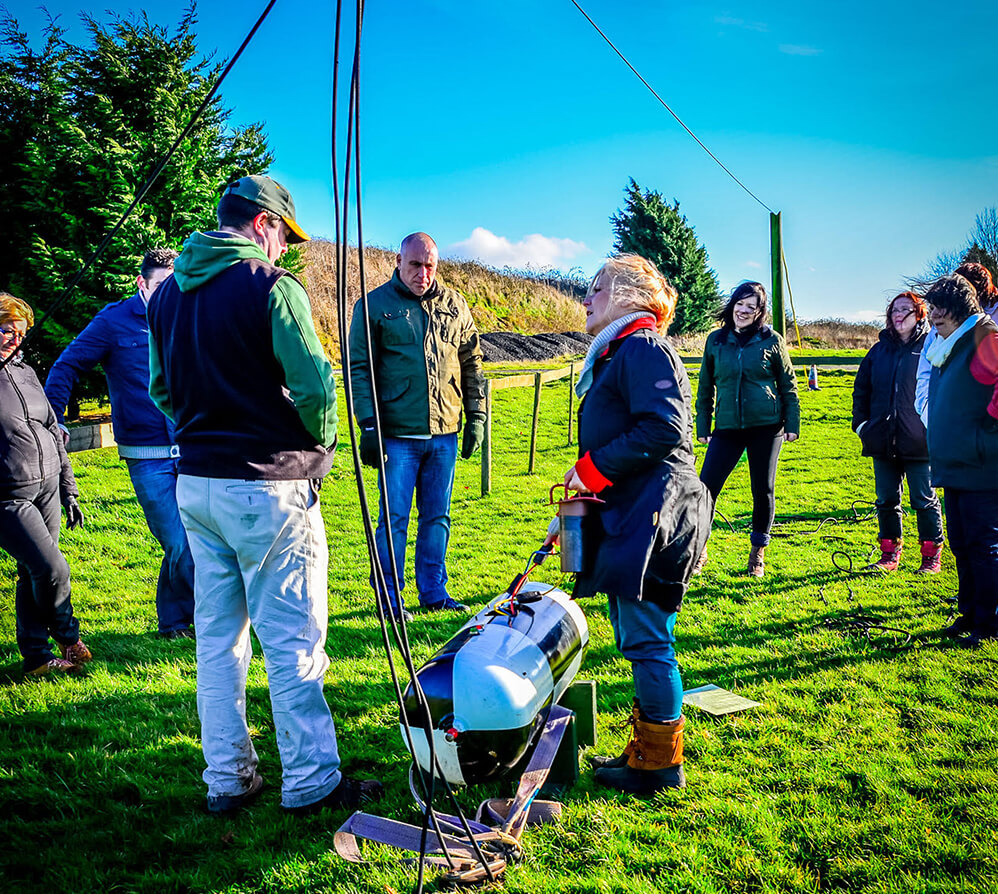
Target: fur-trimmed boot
(890, 556)
(757, 561)
(598, 761)
(932, 558)
(655, 761)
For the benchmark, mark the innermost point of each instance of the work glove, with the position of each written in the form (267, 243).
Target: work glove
(368, 443)
(74, 515)
(474, 434)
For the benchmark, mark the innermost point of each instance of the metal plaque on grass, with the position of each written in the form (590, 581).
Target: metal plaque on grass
(717, 701)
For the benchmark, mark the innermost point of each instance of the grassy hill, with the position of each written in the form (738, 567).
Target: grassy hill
(507, 301)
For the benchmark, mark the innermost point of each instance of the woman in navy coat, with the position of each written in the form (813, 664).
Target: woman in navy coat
(640, 545)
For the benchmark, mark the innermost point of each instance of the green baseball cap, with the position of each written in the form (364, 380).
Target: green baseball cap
(271, 196)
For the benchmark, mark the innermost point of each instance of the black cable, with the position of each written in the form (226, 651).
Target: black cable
(106, 241)
(668, 108)
(397, 624)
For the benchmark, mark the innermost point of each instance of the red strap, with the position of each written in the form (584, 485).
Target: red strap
(590, 476)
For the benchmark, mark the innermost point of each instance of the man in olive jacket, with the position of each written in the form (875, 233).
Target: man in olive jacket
(424, 366)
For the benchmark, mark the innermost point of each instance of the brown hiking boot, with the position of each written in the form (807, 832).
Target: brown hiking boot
(655, 761)
(599, 761)
(78, 653)
(54, 666)
(932, 558)
(757, 561)
(890, 556)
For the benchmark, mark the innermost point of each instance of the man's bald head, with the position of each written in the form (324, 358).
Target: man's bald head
(417, 262)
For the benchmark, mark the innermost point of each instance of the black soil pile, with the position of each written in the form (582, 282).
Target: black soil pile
(510, 347)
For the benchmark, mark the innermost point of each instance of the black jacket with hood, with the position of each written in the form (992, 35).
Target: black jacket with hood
(31, 447)
(883, 398)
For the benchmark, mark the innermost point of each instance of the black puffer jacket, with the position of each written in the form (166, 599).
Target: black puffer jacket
(31, 447)
(884, 398)
(636, 427)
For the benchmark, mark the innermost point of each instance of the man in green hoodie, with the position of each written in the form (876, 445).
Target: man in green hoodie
(236, 363)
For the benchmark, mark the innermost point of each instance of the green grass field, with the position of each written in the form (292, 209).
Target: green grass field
(871, 765)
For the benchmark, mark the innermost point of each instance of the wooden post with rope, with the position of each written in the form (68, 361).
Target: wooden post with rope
(776, 259)
(571, 399)
(533, 424)
(487, 441)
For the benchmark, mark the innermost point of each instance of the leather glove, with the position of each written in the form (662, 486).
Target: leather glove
(474, 434)
(74, 515)
(368, 443)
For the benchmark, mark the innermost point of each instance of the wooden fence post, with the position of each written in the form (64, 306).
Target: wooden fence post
(533, 424)
(487, 442)
(571, 399)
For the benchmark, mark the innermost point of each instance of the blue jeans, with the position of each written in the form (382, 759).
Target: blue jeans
(425, 466)
(155, 483)
(643, 632)
(888, 475)
(972, 525)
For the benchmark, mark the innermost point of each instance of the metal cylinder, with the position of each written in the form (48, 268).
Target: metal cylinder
(489, 688)
(570, 542)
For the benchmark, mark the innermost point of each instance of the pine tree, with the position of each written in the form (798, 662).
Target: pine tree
(81, 129)
(651, 227)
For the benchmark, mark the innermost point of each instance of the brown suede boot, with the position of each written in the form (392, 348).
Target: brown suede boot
(701, 562)
(655, 761)
(890, 556)
(757, 561)
(932, 558)
(597, 761)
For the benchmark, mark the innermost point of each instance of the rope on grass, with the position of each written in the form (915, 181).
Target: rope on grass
(859, 622)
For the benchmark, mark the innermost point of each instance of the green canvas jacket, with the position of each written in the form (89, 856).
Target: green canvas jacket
(426, 357)
(746, 386)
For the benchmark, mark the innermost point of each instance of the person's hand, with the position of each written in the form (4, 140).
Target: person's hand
(474, 435)
(369, 443)
(74, 515)
(65, 435)
(574, 482)
(790, 436)
(554, 529)
(704, 440)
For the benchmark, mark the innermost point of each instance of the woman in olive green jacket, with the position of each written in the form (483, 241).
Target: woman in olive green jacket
(748, 391)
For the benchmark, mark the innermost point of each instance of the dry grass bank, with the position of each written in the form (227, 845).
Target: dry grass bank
(498, 301)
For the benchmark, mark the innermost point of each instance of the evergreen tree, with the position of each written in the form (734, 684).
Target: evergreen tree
(651, 227)
(81, 129)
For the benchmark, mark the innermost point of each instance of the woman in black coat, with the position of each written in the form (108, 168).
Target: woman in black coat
(640, 545)
(35, 477)
(884, 417)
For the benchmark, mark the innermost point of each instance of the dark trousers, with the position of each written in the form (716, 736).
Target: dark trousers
(29, 531)
(888, 475)
(762, 445)
(972, 526)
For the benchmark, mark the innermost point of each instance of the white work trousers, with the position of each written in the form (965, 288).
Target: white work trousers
(260, 558)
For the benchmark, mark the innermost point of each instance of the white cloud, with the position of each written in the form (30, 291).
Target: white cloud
(864, 316)
(793, 49)
(741, 23)
(534, 250)
(755, 264)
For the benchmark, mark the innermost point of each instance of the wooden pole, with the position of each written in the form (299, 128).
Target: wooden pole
(533, 424)
(571, 400)
(487, 443)
(776, 261)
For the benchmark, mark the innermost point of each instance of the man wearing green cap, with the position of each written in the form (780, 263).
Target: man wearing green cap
(236, 363)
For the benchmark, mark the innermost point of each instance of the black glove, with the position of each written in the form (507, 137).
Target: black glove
(368, 443)
(74, 515)
(474, 434)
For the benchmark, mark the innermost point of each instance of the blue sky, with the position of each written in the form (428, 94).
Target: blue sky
(508, 130)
